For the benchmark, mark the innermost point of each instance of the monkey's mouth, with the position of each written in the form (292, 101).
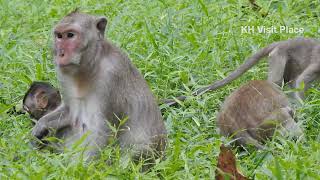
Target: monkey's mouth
(63, 62)
(65, 65)
(62, 59)
(67, 68)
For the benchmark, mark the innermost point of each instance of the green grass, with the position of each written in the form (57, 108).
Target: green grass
(178, 46)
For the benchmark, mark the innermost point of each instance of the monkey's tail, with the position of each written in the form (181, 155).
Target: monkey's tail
(234, 75)
(251, 61)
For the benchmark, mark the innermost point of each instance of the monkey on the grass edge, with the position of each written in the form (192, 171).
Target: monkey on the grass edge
(100, 87)
(253, 112)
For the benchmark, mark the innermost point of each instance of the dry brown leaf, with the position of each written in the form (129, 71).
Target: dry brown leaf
(227, 165)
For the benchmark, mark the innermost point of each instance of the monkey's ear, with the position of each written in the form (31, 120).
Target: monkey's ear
(101, 25)
(41, 99)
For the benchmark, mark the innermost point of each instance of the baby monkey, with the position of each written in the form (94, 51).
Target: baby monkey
(40, 99)
(253, 112)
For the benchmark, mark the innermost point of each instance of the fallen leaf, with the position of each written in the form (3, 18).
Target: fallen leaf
(226, 168)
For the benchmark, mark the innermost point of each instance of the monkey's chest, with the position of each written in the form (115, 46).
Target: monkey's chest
(86, 115)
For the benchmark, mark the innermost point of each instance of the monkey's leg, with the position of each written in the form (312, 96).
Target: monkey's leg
(54, 120)
(277, 64)
(136, 142)
(310, 74)
(94, 143)
(142, 147)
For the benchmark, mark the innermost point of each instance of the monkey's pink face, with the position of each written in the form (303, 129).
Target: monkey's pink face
(67, 45)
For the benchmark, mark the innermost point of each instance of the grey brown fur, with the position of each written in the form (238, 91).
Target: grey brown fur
(292, 61)
(100, 85)
(252, 113)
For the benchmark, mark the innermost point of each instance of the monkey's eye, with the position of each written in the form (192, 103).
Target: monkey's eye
(70, 34)
(59, 35)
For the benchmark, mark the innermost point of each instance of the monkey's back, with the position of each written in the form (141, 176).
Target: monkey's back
(247, 107)
(134, 99)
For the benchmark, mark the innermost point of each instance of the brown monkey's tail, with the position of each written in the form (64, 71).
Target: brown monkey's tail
(234, 75)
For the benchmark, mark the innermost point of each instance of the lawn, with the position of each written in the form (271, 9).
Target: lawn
(179, 46)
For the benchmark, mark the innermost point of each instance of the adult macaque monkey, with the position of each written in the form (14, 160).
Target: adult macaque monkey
(100, 87)
(253, 112)
(293, 61)
(40, 99)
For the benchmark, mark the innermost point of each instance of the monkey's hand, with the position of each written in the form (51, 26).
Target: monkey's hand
(54, 120)
(40, 130)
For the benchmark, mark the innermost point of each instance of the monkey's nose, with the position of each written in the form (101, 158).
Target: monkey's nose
(61, 52)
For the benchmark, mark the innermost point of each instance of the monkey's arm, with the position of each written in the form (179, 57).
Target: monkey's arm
(57, 119)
